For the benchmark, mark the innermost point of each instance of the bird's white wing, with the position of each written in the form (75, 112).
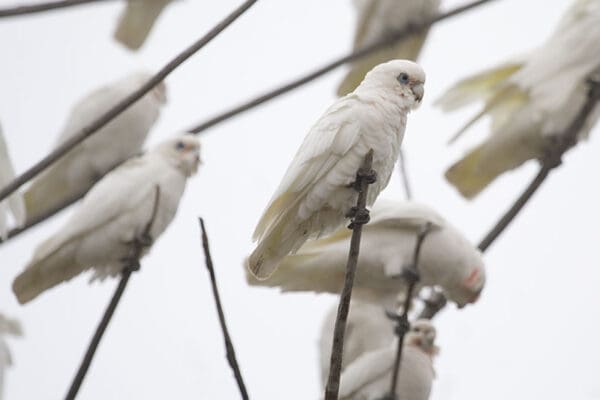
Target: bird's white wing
(118, 192)
(334, 134)
(365, 369)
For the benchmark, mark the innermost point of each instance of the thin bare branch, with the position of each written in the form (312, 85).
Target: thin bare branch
(123, 104)
(411, 275)
(134, 265)
(401, 34)
(364, 177)
(229, 349)
(40, 7)
(551, 160)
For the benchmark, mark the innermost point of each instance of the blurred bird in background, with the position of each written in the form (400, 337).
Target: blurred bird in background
(14, 204)
(113, 217)
(137, 20)
(530, 100)
(123, 137)
(447, 259)
(11, 327)
(376, 20)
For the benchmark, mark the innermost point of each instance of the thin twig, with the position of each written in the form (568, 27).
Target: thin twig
(404, 175)
(411, 274)
(551, 160)
(354, 55)
(364, 177)
(123, 104)
(134, 265)
(229, 349)
(36, 8)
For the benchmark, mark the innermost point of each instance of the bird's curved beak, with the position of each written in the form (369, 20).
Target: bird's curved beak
(418, 90)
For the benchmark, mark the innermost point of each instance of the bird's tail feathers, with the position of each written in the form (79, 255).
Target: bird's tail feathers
(478, 87)
(47, 192)
(137, 21)
(469, 175)
(407, 49)
(46, 272)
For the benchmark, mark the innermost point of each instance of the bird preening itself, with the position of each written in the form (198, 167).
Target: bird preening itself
(316, 193)
(377, 20)
(447, 259)
(530, 100)
(123, 137)
(142, 193)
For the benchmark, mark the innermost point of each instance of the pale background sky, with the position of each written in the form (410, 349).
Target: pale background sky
(532, 335)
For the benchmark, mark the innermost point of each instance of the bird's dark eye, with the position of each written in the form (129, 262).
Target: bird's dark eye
(403, 78)
(180, 146)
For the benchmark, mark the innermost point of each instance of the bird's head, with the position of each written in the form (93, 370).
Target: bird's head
(184, 152)
(471, 286)
(403, 78)
(422, 334)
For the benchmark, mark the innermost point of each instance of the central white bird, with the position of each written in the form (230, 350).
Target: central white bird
(447, 259)
(14, 203)
(369, 376)
(123, 137)
(315, 194)
(113, 217)
(378, 19)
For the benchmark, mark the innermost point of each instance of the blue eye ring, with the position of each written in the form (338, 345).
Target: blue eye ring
(180, 145)
(403, 78)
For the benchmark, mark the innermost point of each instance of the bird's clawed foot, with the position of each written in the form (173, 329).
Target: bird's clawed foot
(359, 216)
(411, 275)
(369, 176)
(401, 321)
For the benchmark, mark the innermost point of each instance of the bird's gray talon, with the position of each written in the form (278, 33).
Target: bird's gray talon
(411, 275)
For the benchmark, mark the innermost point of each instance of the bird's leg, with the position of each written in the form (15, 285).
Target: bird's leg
(140, 241)
(359, 216)
(551, 153)
(400, 320)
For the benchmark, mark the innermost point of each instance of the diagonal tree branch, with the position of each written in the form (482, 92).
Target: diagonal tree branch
(229, 349)
(364, 177)
(403, 33)
(36, 8)
(551, 160)
(134, 265)
(125, 103)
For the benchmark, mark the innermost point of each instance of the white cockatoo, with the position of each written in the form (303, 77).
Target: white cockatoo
(376, 20)
(123, 137)
(530, 100)
(367, 329)
(137, 20)
(11, 327)
(113, 217)
(14, 204)
(369, 376)
(316, 194)
(447, 259)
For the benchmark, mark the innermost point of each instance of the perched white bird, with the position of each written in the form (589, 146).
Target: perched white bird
(315, 194)
(112, 217)
(447, 259)
(530, 100)
(7, 327)
(120, 139)
(377, 19)
(137, 20)
(370, 375)
(367, 329)
(14, 204)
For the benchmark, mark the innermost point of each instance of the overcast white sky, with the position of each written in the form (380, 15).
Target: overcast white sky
(534, 332)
